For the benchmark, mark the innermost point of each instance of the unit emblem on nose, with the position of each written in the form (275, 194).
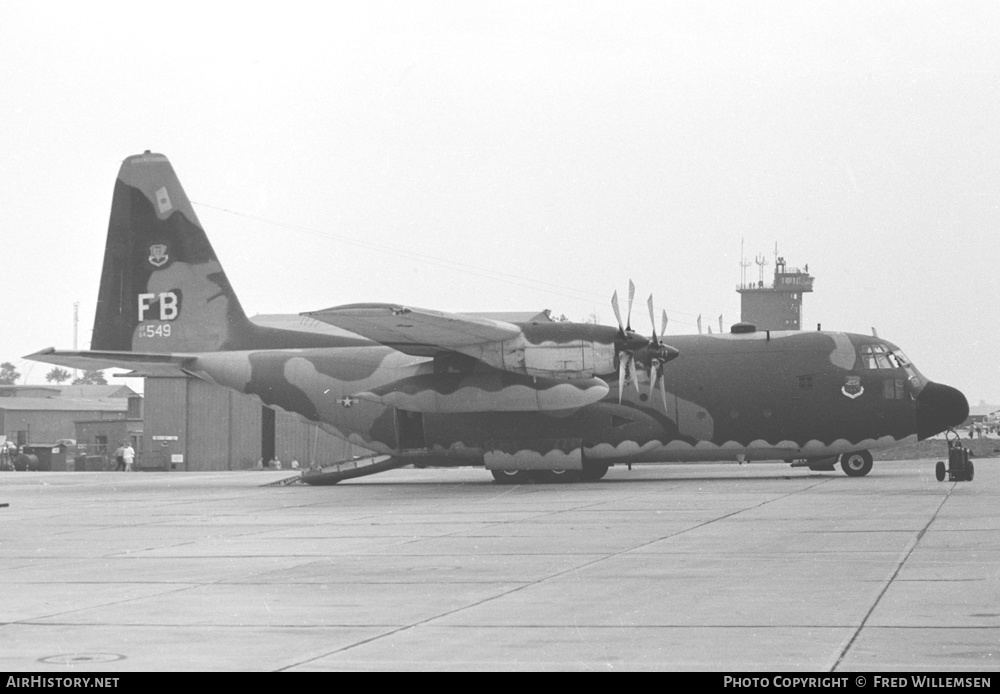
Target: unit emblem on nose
(158, 255)
(853, 388)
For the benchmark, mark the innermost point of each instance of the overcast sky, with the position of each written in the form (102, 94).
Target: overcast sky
(523, 155)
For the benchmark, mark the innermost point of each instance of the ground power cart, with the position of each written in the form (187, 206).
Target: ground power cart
(960, 468)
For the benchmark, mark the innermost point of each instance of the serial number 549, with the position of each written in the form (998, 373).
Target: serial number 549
(154, 330)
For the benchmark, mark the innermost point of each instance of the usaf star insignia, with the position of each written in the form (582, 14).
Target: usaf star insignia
(348, 401)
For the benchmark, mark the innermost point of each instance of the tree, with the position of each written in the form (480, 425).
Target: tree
(91, 378)
(58, 375)
(8, 374)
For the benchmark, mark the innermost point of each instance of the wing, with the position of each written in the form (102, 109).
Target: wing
(416, 331)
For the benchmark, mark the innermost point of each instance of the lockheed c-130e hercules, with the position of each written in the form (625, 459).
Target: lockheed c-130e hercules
(527, 397)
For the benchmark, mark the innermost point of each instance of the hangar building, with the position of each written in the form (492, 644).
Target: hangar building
(180, 424)
(46, 414)
(193, 425)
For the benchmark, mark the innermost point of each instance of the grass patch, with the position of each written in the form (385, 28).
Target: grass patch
(937, 449)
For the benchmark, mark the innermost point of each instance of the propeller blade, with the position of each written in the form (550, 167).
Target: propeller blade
(658, 374)
(631, 296)
(621, 377)
(652, 319)
(663, 389)
(699, 324)
(635, 375)
(720, 324)
(663, 326)
(618, 313)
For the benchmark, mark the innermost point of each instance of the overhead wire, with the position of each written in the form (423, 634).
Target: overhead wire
(552, 288)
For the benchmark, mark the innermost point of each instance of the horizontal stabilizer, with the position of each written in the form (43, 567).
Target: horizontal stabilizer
(147, 364)
(417, 331)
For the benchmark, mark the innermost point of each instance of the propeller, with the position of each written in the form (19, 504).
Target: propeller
(660, 354)
(628, 342)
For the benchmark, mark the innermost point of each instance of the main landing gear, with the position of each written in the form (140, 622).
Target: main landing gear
(511, 476)
(857, 464)
(591, 472)
(960, 468)
(537, 476)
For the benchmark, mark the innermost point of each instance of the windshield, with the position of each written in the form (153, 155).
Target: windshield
(879, 356)
(887, 357)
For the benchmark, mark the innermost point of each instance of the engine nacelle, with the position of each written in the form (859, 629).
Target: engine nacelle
(561, 351)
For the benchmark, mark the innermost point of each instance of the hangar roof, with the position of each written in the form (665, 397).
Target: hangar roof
(110, 391)
(64, 404)
(56, 391)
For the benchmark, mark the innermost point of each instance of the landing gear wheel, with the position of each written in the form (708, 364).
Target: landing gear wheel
(856, 464)
(511, 476)
(593, 471)
(939, 471)
(555, 476)
(970, 471)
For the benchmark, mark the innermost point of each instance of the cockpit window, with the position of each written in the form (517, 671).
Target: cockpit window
(876, 356)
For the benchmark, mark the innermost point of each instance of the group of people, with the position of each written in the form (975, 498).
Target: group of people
(124, 457)
(8, 451)
(981, 429)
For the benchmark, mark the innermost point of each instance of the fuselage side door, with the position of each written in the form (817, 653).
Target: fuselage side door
(410, 430)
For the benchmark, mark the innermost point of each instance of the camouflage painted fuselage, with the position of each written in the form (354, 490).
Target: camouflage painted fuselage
(763, 396)
(460, 389)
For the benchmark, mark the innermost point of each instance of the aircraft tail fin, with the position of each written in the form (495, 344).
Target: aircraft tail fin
(162, 287)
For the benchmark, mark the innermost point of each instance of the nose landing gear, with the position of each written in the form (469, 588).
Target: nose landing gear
(960, 468)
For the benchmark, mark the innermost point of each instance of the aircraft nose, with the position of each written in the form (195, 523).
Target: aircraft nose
(939, 407)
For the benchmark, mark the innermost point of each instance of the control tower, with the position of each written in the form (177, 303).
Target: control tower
(777, 306)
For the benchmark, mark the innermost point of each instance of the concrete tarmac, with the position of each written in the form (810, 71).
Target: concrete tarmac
(682, 567)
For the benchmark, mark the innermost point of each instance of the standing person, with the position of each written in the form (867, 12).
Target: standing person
(128, 454)
(120, 458)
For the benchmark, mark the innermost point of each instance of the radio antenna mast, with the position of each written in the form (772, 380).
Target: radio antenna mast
(761, 263)
(744, 264)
